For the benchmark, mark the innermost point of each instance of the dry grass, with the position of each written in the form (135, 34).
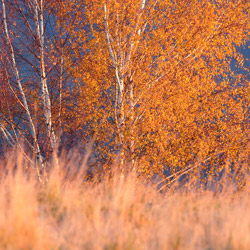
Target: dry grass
(122, 213)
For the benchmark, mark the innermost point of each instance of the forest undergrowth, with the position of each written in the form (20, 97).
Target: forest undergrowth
(118, 212)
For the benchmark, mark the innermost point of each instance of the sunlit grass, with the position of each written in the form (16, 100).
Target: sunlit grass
(116, 213)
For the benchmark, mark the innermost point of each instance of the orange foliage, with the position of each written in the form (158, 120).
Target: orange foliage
(152, 83)
(181, 102)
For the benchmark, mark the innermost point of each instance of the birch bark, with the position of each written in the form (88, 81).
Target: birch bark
(38, 10)
(119, 113)
(123, 79)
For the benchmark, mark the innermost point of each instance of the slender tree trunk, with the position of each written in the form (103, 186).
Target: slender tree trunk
(38, 8)
(119, 82)
(120, 67)
(121, 119)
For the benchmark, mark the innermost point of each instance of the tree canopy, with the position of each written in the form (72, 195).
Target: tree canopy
(157, 85)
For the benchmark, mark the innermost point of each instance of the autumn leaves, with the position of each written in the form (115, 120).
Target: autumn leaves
(151, 80)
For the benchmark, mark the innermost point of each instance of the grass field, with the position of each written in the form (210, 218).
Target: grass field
(117, 213)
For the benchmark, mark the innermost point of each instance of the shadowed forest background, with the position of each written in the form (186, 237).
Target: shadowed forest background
(124, 124)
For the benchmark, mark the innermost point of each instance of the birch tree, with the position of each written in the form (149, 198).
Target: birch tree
(32, 59)
(39, 19)
(160, 78)
(23, 100)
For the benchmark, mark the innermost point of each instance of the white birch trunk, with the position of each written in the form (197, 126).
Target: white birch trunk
(120, 66)
(38, 9)
(120, 115)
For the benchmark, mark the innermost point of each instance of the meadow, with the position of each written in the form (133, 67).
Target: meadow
(119, 212)
(160, 87)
